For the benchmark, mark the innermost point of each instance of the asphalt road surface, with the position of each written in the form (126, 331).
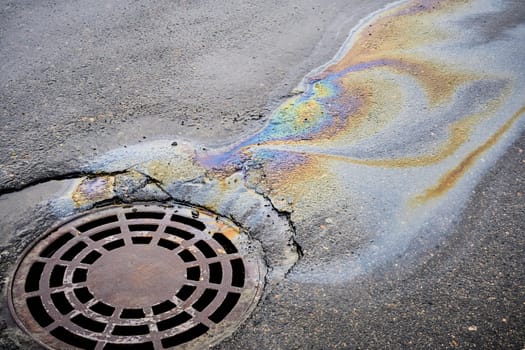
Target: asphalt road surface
(387, 143)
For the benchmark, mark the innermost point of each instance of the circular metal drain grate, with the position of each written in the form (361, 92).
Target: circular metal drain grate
(140, 277)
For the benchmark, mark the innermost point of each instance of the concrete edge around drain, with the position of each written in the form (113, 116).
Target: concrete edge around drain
(249, 249)
(249, 210)
(26, 234)
(253, 213)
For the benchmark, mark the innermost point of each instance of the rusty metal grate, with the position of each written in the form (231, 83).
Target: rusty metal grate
(136, 277)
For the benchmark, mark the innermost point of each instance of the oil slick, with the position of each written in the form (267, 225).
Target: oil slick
(93, 190)
(398, 128)
(400, 125)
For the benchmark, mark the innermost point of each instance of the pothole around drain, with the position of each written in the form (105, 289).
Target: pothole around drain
(137, 277)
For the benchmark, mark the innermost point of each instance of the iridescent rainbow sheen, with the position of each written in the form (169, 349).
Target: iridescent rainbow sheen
(398, 127)
(397, 130)
(396, 74)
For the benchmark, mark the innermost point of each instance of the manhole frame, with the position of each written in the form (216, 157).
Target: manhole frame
(243, 242)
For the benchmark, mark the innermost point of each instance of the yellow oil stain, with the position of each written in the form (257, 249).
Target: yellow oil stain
(439, 82)
(321, 91)
(307, 113)
(290, 186)
(227, 230)
(165, 172)
(459, 133)
(393, 40)
(378, 101)
(161, 171)
(92, 190)
(449, 180)
(381, 101)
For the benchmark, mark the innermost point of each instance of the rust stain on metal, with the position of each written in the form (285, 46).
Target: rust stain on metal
(141, 276)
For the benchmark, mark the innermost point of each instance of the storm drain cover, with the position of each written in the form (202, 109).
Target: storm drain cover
(137, 277)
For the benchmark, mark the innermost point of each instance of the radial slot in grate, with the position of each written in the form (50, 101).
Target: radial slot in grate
(137, 277)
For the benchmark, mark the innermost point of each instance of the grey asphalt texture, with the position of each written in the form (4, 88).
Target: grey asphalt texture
(81, 78)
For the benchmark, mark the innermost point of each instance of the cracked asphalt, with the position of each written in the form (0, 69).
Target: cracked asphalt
(81, 79)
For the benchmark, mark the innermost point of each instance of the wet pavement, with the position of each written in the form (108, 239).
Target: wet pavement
(385, 189)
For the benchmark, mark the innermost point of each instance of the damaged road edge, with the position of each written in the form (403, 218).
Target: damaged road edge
(230, 198)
